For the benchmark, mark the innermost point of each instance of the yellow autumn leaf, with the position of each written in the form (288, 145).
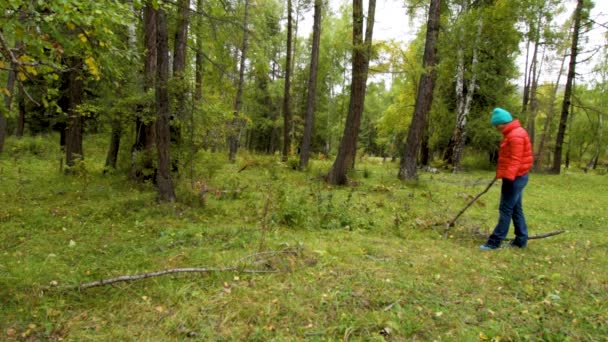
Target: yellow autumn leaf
(31, 70)
(25, 59)
(21, 76)
(483, 337)
(71, 26)
(82, 37)
(5, 91)
(92, 65)
(2, 65)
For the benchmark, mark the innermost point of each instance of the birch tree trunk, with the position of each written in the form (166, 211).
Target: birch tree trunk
(116, 134)
(312, 86)
(361, 54)
(464, 101)
(424, 96)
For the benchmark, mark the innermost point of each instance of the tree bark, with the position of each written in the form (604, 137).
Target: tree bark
(179, 70)
(238, 103)
(286, 92)
(116, 134)
(74, 124)
(361, 54)
(112, 156)
(557, 158)
(164, 182)
(145, 132)
(312, 87)
(464, 100)
(424, 97)
(198, 73)
(540, 152)
(20, 129)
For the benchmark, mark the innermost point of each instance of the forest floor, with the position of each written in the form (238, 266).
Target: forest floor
(299, 260)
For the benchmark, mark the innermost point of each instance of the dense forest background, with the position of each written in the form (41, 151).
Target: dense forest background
(166, 80)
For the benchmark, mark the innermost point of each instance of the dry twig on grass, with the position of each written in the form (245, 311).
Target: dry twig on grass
(257, 257)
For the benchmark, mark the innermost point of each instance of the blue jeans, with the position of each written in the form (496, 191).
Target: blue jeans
(511, 209)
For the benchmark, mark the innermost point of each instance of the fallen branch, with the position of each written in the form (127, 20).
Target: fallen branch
(546, 235)
(451, 223)
(128, 278)
(533, 237)
(165, 272)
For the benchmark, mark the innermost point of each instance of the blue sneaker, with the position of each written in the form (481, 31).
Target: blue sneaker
(486, 247)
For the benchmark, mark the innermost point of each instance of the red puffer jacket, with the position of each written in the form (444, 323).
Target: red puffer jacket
(515, 155)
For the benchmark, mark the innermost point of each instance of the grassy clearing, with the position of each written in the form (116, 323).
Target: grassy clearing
(373, 263)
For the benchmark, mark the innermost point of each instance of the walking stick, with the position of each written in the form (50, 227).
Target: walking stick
(451, 223)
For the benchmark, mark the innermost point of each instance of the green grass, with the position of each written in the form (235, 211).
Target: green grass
(373, 257)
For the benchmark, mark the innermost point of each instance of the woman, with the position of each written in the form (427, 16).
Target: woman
(514, 162)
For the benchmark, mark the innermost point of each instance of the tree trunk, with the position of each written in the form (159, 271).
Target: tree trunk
(164, 182)
(557, 159)
(312, 87)
(179, 69)
(540, 152)
(20, 129)
(74, 124)
(112, 156)
(116, 134)
(286, 92)
(534, 76)
(464, 101)
(424, 97)
(361, 55)
(145, 133)
(198, 87)
(238, 103)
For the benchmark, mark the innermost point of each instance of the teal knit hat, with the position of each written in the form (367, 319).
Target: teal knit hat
(500, 116)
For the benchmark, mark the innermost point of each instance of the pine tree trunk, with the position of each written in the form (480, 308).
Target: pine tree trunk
(361, 53)
(198, 87)
(20, 129)
(424, 97)
(145, 133)
(74, 124)
(312, 87)
(179, 69)
(238, 103)
(164, 182)
(557, 158)
(545, 136)
(286, 92)
(112, 156)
